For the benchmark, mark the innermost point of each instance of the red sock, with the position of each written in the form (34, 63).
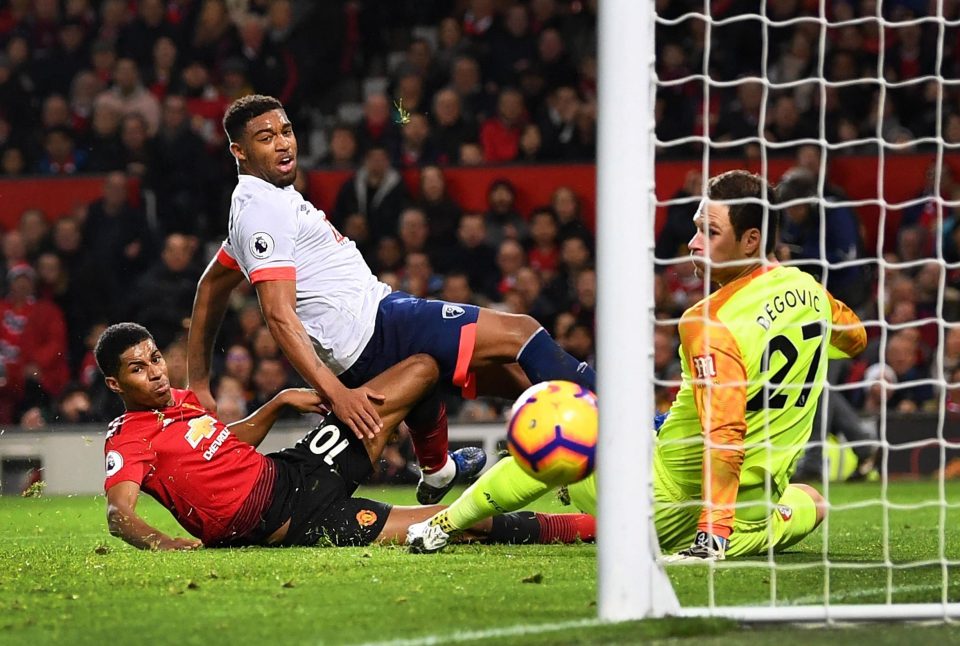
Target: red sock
(566, 528)
(430, 442)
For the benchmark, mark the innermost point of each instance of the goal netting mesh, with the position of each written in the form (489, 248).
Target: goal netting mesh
(853, 109)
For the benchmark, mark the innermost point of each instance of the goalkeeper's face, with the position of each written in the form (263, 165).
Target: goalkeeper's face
(718, 256)
(268, 149)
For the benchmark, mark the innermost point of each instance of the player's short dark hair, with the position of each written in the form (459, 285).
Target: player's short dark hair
(245, 108)
(114, 341)
(740, 184)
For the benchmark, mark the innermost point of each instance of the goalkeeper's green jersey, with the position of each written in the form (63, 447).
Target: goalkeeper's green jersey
(754, 359)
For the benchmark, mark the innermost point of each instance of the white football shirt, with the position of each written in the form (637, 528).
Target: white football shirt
(275, 234)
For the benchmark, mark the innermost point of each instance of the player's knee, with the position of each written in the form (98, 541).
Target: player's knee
(505, 334)
(423, 368)
(820, 503)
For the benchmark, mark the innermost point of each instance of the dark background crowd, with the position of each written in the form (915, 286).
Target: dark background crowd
(131, 89)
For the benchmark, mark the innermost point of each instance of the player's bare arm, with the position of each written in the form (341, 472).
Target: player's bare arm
(253, 428)
(209, 307)
(354, 406)
(123, 521)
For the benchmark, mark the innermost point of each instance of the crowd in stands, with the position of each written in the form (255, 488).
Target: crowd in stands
(136, 89)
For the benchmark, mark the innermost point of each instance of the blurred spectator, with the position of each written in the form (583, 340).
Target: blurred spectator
(178, 175)
(175, 355)
(14, 249)
(103, 139)
(137, 148)
(33, 345)
(801, 232)
(117, 236)
(503, 220)
(377, 130)
(544, 253)
(514, 48)
(129, 96)
(562, 139)
(268, 63)
(13, 162)
(666, 368)
(205, 103)
(416, 149)
(902, 356)
(139, 36)
(471, 154)
(878, 390)
(566, 206)
(238, 365)
(342, 151)
(163, 297)
(214, 37)
(413, 231)
(442, 212)
(678, 228)
(531, 144)
(34, 231)
(500, 135)
(553, 62)
(465, 80)
(419, 278)
(456, 288)
(377, 191)
(511, 258)
(575, 257)
(60, 153)
(83, 94)
(451, 129)
(264, 346)
(269, 378)
(74, 406)
(473, 255)
(162, 72)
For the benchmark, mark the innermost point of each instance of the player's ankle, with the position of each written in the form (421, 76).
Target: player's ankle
(441, 476)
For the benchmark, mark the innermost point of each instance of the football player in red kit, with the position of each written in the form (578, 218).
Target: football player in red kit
(225, 493)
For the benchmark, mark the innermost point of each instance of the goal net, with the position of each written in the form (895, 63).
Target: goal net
(853, 110)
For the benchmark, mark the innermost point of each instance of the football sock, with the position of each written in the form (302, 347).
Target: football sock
(427, 422)
(503, 488)
(524, 527)
(543, 359)
(566, 528)
(517, 528)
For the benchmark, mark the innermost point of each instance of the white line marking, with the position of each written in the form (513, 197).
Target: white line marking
(867, 592)
(473, 635)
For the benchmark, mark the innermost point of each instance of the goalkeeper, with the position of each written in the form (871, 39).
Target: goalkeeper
(753, 363)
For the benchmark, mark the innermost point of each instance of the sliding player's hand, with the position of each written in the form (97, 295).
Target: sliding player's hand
(167, 544)
(304, 400)
(706, 547)
(354, 407)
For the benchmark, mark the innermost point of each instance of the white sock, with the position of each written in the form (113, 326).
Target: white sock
(442, 476)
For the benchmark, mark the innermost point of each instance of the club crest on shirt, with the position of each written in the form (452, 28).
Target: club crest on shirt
(785, 512)
(114, 462)
(452, 311)
(704, 366)
(261, 245)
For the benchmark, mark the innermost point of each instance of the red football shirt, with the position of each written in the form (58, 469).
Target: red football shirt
(213, 483)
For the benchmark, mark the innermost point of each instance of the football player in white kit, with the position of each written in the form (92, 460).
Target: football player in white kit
(337, 324)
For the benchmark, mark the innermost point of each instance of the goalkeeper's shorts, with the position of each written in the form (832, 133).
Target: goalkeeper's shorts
(677, 514)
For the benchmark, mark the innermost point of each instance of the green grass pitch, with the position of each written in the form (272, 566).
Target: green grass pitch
(65, 580)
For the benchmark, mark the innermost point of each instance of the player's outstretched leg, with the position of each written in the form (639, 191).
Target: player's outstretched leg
(504, 488)
(513, 337)
(440, 470)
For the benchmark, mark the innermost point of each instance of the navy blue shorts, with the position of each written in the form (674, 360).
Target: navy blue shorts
(406, 326)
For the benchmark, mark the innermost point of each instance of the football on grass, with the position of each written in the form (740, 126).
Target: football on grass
(552, 432)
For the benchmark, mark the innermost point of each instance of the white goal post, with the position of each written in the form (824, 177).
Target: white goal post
(632, 583)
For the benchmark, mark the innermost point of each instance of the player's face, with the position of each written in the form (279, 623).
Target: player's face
(268, 148)
(142, 380)
(715, 240)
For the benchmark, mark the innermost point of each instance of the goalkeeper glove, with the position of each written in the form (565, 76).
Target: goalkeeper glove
(658, 420)
(706, 547)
